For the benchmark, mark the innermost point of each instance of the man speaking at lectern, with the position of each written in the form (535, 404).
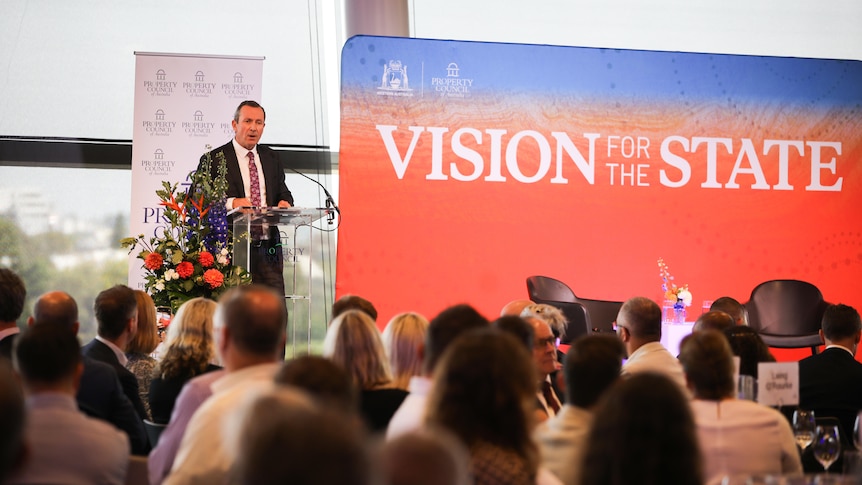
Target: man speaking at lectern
(255, 177)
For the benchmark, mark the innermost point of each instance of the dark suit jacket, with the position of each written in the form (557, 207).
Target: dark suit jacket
(6, 346)
(273, 173)
(98, 351)
(100, 395)
(830, 383)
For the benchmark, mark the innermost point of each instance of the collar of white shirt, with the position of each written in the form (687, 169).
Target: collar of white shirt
(121, 356)
(840, 347)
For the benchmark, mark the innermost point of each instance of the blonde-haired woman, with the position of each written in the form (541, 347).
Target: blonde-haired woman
(402, 338)
(142, 344)
(189, 350)
(354, 343)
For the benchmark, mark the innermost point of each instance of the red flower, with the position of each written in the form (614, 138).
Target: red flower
(213, 277)
(153, 261)
(185, 269)
(206, 259)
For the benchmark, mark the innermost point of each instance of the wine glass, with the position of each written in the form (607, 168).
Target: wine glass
(804, 428)
(827, 446)
(856, 431)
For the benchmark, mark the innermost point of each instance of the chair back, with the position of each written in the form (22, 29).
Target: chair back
(787, 313)
(154, 430)
(548, 289)
(601, 314)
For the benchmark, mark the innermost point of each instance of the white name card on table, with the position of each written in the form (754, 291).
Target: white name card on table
(778, 383)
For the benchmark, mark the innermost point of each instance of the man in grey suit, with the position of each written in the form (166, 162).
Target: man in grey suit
(64, 445)
(255, 178)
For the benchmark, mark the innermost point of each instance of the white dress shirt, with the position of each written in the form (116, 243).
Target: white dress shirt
(653, 357)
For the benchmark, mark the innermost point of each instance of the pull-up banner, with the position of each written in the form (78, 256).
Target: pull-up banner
(467, 167)
(183, 102)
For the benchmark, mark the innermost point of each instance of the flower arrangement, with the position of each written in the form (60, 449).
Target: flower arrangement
(192, 256)
(678, 294)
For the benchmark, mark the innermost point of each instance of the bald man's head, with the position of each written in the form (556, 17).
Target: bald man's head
(515, 307)
(56, 307)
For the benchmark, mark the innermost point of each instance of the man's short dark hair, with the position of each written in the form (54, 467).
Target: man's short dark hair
(353, 302)
(714, 320)
(518, 327)
(445, 328)
(707, 361)
(643, 317)
(730, 306)
(592, 365)
(12, 294)
(249, 103)
(323, 380)
(256, 316)
(114, 307)
(840, 322)
(46, 354)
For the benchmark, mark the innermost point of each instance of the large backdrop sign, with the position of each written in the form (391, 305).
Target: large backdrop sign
(466, 167)
(182, 104)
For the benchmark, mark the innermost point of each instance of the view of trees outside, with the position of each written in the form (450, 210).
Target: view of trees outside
(59, 229)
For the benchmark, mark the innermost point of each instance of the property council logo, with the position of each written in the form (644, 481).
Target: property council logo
(238, 89)
(453, 85)
(158, 164)
(198, 127)
(394, 81)
(160, 86)
(199, 88)
(159, 126)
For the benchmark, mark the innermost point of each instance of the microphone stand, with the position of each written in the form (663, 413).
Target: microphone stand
(330, 202)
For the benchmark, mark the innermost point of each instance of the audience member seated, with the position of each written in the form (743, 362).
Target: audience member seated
(424, 457)
(518, 328)
(514, 308)
(728, 305)
(117, 317)
(100, 394)
(484, 393)
(737, 437)
(639, 327)
(555, 319)
(324, 381)
(749, 347)
(65, 446)
(353, 342)
(283, 439)
(188, 352)
(442, 331)
(830, 383)
(592, 365)
(713, 320)
(13, 449)
(353, 302)
(12, 295)
(544, 353)
(142, 344)
(402, 340)
(249, 325)
(643, 433)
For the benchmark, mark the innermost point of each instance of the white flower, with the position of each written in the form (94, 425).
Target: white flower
(685, 296)
(171, 274)
(222, 259)
(160, 285)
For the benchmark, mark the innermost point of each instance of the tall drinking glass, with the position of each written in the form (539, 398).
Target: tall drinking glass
(804, 428)
(827, 446)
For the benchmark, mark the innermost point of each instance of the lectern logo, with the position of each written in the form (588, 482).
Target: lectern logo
(159, 165)
(199, 88)
(395, 81)
(238, 89)
(160, 86)
(198, 126)
(453, 85)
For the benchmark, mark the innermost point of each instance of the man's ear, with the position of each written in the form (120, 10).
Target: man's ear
(823, 337)
(30, 321)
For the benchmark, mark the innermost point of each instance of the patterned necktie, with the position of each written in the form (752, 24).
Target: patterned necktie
(254, 182)
(549, 397)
